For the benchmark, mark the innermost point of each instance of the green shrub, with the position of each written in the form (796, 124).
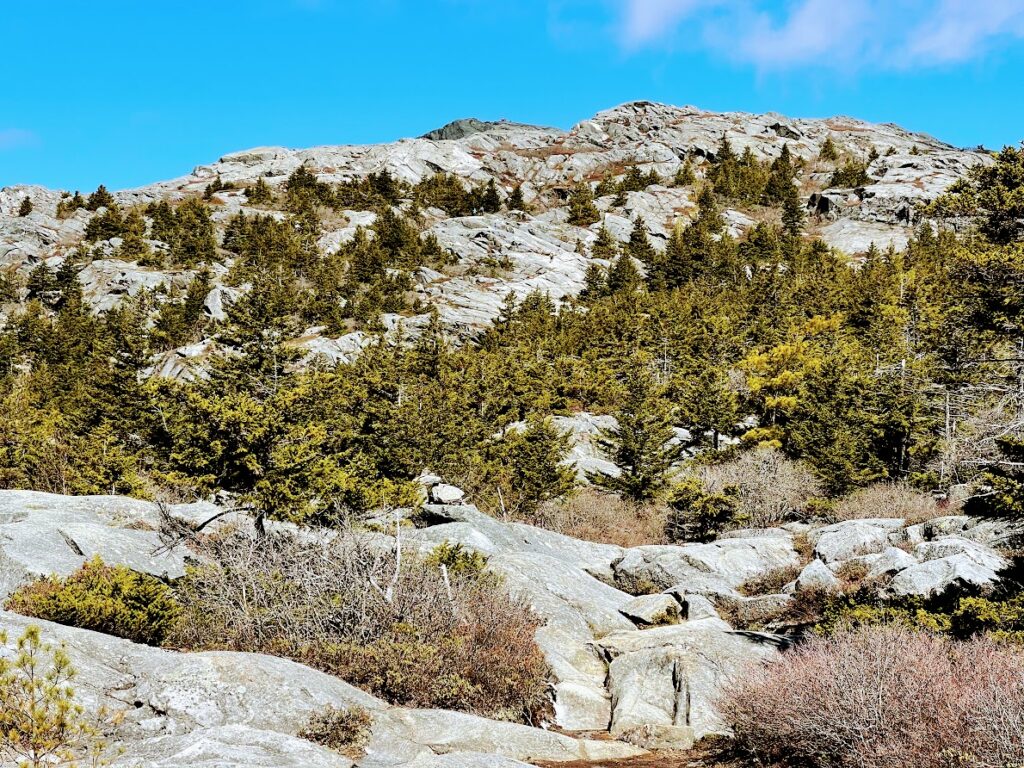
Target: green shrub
(114, 600)
(456, 559)
(344, 729)
(851, 174)
(699, 515)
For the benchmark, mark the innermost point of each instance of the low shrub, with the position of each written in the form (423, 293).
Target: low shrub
(373, 615)
(772, 489)
(345, 729)
(114, 600)
(771, 582)
(606, 518)
(898, 499)
(882, 697)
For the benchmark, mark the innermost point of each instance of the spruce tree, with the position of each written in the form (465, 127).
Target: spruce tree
(26, 207)
(259, 193)
(642, 444)
(582, 211)
(828, 152)
(639, 245)
(515, 200)
(101, 198)
(490, 202)
(623, 275)
(685, 176)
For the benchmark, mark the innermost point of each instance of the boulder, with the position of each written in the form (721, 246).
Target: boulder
(650, 610)
(816, 575)
(729, 561)
(446, 494)
(671, 676)
(851, 538)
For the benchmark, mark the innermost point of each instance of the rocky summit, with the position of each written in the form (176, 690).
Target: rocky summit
(517, 252)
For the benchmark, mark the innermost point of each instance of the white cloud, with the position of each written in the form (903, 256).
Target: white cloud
(649, 20)
(959, 30)
(880, 34)
(16, 138)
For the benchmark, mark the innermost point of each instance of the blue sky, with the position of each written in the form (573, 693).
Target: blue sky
(128, 92)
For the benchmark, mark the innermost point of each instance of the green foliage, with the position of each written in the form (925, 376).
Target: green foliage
(698, 515)
(515, 200)
(995, 193)
(101, 198)
(525, 468)
(68, 204)
(851, 174)
(259, 193)
(642, 445)
(457, 560)
(26, 207)
(828, 152)
(41, 721)
(1001, 492)
(582, 211)
(114, 600)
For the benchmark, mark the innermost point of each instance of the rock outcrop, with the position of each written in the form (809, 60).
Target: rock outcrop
(514, 252)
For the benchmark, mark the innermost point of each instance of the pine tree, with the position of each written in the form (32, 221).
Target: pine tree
(1001, 490)
(490, 202)
(685, 176)
(639, 245)
(828, 152)
(259, 193)
(582, 211)
(642, 445)
(595, 283)
(793, 215)
(623, 275)
(26, 207)
(101, 198)
(515, 200)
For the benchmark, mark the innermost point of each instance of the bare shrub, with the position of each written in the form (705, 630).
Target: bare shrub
(770, 582)
(346, 730)
(772, 488)
(593, 515)
(897, 499)
(882, 697)
(358, 607)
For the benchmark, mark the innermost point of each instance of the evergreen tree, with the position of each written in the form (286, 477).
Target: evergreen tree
(595, 282)
(101, 198)
(828, 152)
(639, 245)
(642, 445)
(26, 206)
(623, 276)
(1001, 490)
(490, 202)
(259, 193)
(582, 211)
(685, 176)
(515, 200)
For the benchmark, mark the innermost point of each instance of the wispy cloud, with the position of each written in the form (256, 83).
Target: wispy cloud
(883, 34)
(16, 138)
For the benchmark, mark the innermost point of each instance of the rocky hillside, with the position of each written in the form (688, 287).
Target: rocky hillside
(493, 254)
(645, 669)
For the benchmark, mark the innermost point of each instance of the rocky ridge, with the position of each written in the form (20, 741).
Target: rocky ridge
(535, 251)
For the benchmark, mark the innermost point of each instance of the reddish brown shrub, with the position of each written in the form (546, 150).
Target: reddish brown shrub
(883, 697)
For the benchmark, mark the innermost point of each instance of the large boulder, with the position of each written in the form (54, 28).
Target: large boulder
(671, 676)
(728, 562)
(845, 540)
